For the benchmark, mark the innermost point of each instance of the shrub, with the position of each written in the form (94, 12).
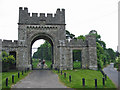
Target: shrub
(7, 61)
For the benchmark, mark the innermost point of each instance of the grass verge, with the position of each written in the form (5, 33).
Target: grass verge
(9, 76)
(89, 75)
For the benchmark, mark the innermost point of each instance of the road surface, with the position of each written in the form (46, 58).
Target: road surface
(40, 79)
(112, 73)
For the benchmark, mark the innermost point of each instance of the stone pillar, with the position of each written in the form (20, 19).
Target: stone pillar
(56, 57)
(69, 58)
(84, 60)
(22, 56)
(92, 58)
(92, 53)
(63, 63)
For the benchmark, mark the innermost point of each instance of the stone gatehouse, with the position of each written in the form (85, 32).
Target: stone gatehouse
(51, 28)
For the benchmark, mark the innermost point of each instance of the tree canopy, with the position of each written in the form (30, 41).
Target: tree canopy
(44, 51)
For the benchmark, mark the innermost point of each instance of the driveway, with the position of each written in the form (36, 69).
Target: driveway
(40, 79)
(112, 73)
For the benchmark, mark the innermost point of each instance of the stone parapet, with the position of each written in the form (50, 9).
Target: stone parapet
(9, 43)
(36, 19)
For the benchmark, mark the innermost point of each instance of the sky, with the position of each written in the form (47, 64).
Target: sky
(81, 16)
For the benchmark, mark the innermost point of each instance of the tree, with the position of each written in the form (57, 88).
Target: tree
(111, 54)
(44, 51)
(72, 36)
(118, 60)
(107, 56)
(81, 37)
(94, 32)
(102, 43)
(69, 35)
(100, 52)
(4, 54)
(11, 60)
(117, 54)
(4, 57)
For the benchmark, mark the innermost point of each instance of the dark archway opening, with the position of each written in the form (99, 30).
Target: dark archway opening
(77, 60)
(43, 53)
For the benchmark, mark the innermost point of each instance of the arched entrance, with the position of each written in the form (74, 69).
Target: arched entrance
(47, 38)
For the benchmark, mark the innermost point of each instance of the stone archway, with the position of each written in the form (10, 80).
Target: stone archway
(51, 28)
(39, 27)
(46, 37)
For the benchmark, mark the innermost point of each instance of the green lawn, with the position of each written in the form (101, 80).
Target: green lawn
(9, 76)
(48, 63)
(76, 64)
(89, 76)
(35, 63)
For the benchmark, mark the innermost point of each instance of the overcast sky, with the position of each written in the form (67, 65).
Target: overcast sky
(81, 17)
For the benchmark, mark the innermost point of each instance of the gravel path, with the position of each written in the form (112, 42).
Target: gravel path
(40, 79)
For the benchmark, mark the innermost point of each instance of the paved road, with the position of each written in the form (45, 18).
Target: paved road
(40, 79)
(112, 73)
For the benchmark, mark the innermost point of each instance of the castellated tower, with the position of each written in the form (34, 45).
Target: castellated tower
(39, 26)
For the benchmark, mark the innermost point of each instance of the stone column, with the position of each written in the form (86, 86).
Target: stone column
(92, 58)
(70, 60)
(22, 56)
(91, 43)
(56, 57)
(85, 62)
(62, 49)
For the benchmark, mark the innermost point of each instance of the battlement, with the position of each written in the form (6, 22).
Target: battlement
(9, 43)
(37, 19)
(76, 42)
(90, 41)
